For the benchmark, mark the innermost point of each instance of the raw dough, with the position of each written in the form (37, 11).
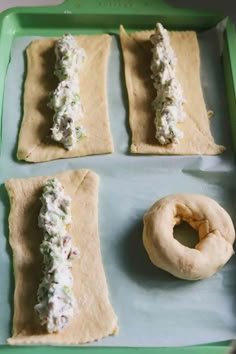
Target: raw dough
(34, 140)
(95, 318)
(216, 235)
(137, 58)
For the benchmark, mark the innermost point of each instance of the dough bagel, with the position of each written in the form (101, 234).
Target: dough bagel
(215, 229)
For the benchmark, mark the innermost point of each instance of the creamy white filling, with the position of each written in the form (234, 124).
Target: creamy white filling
(56, 301)
(65, 100)
(69, 57)
(168, 104)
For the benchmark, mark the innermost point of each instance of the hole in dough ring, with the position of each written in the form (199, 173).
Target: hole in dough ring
(215, 229)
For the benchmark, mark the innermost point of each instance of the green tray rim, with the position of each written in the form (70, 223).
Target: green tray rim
(12, 25)
(229, 65)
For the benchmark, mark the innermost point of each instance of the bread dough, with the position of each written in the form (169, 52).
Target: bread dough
(137, 55)
(35, 144)
(95, 318)
(216, 235)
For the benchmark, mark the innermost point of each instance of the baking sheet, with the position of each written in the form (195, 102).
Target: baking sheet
(153, 308)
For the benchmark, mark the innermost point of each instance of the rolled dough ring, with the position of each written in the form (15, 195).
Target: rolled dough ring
(216, 236)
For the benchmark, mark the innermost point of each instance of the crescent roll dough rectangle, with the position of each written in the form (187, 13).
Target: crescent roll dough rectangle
(34, 143)
(95, 318)
(137, 55)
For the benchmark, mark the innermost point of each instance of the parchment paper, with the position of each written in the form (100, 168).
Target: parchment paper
(153, 308)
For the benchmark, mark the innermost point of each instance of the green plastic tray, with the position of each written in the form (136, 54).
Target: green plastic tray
(105, 16)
